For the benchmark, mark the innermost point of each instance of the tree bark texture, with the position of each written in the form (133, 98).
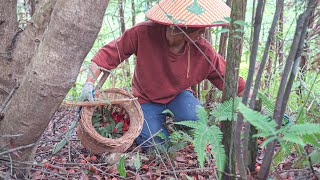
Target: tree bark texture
(8, 30)
(71, 32)
(24, 46)
(235, 45)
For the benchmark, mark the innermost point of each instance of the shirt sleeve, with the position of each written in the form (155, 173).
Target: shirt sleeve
(115, 52)
(217, 72)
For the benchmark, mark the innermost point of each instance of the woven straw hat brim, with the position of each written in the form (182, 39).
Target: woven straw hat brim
(190, 13)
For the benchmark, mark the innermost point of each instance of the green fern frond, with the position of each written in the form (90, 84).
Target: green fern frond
(202, 114)
(260, 121)
(283, 153)
(177, 136)
(217, 148)
(267, 141)
(226, 110)
(266, 103)
(306, 128)
(205, 134)
(294, 138)
(311, 139)
(200, 143)
(191, 124)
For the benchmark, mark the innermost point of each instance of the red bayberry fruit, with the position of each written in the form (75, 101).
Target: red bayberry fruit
(103, 124)
(47, 165)
(94, 158)
(114, 130)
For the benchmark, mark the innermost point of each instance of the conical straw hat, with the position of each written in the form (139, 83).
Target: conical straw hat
(190, 13)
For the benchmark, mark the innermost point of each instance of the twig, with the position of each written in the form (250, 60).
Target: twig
(312, 169)
(11, 165)
(9, 136)
(18, 148)
(9, 97)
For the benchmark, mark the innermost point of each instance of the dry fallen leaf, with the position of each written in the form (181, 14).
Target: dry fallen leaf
(181, 159)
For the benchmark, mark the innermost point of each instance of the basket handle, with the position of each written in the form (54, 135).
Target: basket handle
(98, 103)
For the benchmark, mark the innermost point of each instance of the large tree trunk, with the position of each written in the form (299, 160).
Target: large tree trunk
(8, 29)
(231, 79)
(24, 46)
(70, 34)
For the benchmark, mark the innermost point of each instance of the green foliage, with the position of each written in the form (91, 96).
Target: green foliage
(167, 111)
(57, 147)
(205, 134)
(137, 162)
(226, 110)
(262, 122)
(121, 167)
(293, 134)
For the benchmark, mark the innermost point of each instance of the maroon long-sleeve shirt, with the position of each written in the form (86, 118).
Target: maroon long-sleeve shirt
(159, 73)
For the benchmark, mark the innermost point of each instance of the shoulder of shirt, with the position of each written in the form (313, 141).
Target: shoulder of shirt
(205, 46)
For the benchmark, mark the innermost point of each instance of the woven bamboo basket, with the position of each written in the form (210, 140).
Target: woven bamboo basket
(98, 144)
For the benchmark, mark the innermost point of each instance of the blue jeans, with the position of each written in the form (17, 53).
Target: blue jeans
(183, 106)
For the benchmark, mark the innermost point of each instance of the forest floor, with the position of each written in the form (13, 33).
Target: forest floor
(73, 161)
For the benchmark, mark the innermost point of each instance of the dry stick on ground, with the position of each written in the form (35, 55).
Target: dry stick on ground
(294, 55)
(255, 44)
(18, 148)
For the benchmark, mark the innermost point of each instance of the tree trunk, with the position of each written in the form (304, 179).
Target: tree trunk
(304, 59)
(248, 141)
(133, 12)
(72, 30)
(25, 44)
(121, 16)
(232, 74)
(280, 34)
(8, 30)
(223, 38)
(126, 66)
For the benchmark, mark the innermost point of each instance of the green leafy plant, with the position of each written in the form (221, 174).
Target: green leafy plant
(226, 110)
(267, 128)
(204, 135)
(121, 167)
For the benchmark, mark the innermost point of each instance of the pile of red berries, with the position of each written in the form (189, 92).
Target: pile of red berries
(110, 124)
